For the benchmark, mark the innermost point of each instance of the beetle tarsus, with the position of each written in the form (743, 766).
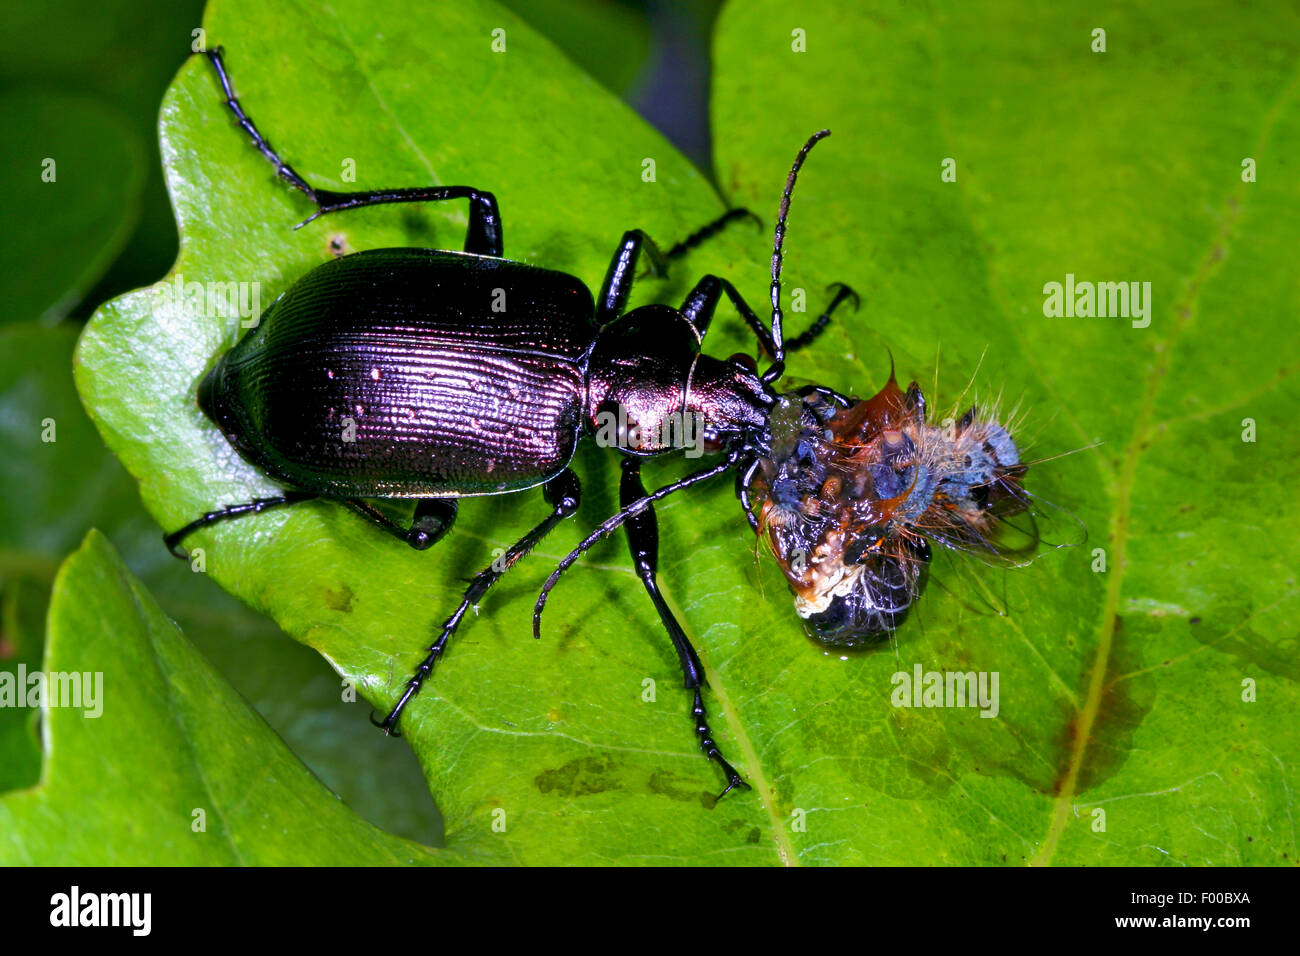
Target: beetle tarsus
(388, 725)
(256, 506)
(809, 335)
(282, 169)
(704, 233)
(707, 744)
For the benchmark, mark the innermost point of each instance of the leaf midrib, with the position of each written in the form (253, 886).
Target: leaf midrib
(1182, 313)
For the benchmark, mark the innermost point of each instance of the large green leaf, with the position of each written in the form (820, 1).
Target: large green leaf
(58, 478)
(573, 25)
(1121, 690)
(556, 733)
(179, 767)
(55, 479)
(72, 172)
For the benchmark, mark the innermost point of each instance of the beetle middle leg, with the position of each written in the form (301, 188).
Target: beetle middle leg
(563, 494)
(622, 272)
(643, 541)
(432, 520)
(484, 233)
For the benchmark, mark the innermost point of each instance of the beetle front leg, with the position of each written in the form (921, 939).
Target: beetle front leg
(704, 233)
(744, 483)
(703, 300)
(809, 335)
(643, 541)
(563, 494)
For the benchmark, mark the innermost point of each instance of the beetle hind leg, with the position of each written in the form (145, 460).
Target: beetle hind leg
(484, 233)
(230, 512)
(483, 236)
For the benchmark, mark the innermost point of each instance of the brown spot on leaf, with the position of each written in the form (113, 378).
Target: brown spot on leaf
(580, 778)
(340, 600)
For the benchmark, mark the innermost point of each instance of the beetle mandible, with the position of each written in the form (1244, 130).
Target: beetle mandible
(450, 399)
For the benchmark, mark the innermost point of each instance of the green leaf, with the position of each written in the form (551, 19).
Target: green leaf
(557, 733)
(608, 40)
(22, 606)
(493, 736)
(182, 771)
(1121, 690)
(72, 173)
(58, 478)
(55, 478)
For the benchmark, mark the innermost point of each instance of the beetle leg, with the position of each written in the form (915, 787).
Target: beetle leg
(703, 299)
(643, 541)
(808, 335)
(253, 507)
(432, 520)
(282, 169)
(700, 236)
(484, 234)
(744, 481)
(622, 272)
(563, 495)
(622, 268)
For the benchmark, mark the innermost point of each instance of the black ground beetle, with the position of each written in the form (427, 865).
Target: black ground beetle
(387, 374)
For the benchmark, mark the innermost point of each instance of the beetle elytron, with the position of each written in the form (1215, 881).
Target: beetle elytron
(442, 397)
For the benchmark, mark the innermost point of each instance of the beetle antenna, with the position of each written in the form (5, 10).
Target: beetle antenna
(614, 521)
(777, 367)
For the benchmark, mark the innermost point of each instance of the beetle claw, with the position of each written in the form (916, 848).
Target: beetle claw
(734, 782)
(837, 287)
(388, 725)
